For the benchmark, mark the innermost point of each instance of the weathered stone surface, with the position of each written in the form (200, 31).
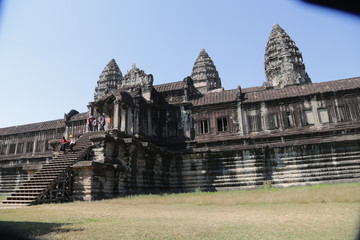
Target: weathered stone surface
(283, 60)
(109, 80)
(194, 135)
(204, 73)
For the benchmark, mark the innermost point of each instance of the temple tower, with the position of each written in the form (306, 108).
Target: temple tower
(283, 61)
(204, 74)
(109, 80)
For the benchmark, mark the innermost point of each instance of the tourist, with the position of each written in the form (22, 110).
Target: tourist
(109, 123)
(90, 123)
(102, 122)
(72, 142)
(95, 124)
(63, 144)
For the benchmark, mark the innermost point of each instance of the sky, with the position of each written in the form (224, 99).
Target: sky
(52, 52)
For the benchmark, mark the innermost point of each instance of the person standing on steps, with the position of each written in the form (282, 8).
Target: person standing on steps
(95, 124)
(109, 123)
(90, 123)
(102, 122)
(72, 142)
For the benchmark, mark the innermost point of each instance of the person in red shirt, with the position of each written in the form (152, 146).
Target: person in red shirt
(90, 123)
(63, 144)
(109, 123)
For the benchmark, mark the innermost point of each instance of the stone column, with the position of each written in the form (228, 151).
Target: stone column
(123, 119)
(314, 108)
(136, 120)
(149, 121)
(116, 114)
(240, 118)
(130, 123)
(83, 182)
(263, 114)
(186, 120)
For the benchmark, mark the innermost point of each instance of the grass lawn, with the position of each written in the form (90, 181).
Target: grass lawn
(317, 212)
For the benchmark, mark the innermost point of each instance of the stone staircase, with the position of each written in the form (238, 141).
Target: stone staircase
(52, 183)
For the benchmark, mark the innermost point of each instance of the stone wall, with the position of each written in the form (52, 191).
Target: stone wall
(122, 166)
(292, 165)
(11, 177)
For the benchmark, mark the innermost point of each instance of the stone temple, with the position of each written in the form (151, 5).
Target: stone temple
(191, 135)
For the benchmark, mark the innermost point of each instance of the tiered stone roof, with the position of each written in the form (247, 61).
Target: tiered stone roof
(109, 80)
(304, 90)
(283, 60)
(40, 126)
(33, 127)
(261, 94)
(204, 73)
(167, 87)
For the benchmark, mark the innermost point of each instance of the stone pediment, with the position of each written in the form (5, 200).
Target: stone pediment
(136, 77)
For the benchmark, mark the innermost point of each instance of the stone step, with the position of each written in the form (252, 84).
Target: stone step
(44, 178)
(25, 194)
(238, 184)
(321, 165)
(30, 188)
(316, 175)
(288, 160)
(36, 180)
(292, 158)
(33, 185)
(49, 175)
(323, 159)
(311, 170)
(17, 202)
(27, 191)
(317, 178)
(26, 198)
(60, 162)
(242, 177)
(234, 177)
(56, 167)
(48, 171)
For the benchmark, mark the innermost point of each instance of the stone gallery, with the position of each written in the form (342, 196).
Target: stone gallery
(190, 135)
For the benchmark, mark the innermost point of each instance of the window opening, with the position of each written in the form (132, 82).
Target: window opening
(204, 126)
(222, 124)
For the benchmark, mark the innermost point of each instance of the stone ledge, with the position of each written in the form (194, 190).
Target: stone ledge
(91, 164)
(98, 137)
(32, 167)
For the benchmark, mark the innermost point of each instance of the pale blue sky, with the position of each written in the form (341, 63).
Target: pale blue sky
(52, 52)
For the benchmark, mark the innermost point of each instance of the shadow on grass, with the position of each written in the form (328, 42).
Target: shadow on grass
(29, 230)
